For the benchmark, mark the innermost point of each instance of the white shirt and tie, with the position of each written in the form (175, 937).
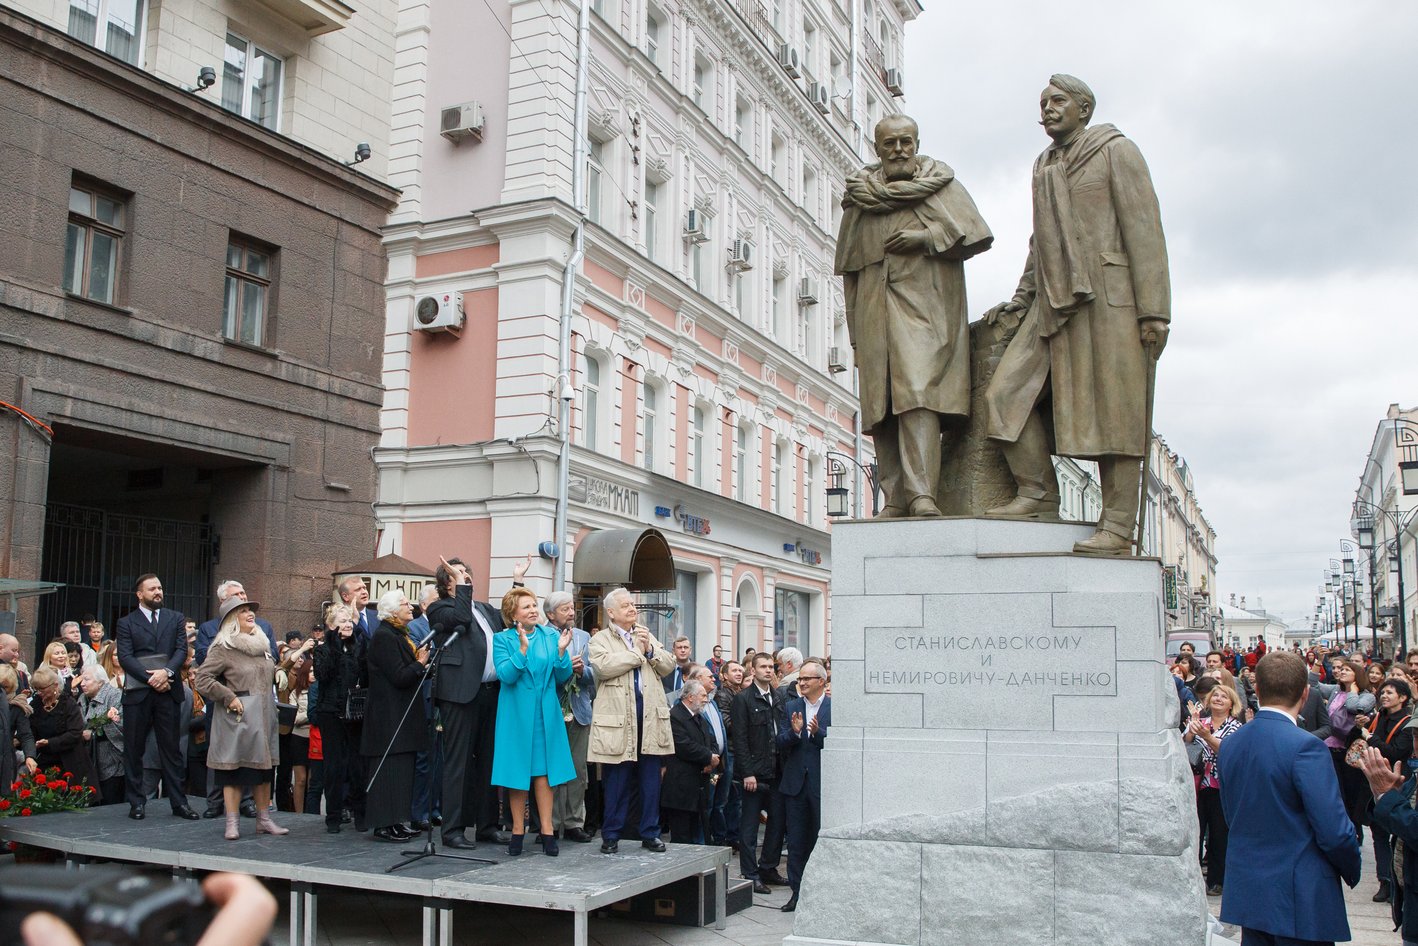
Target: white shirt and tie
(489, 667)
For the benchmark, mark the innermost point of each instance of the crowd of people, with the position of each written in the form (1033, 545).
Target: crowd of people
(1295, 754)
(397, 717)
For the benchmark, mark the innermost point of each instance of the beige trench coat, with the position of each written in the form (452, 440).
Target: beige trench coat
(1093, 366)
(250, 740)
(612, 737)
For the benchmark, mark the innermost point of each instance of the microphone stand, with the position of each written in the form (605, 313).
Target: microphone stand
(428, 849)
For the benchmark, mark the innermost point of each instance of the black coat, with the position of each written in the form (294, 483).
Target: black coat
(752, 733)
(394, 678)
(136, 638)
(460, 669)
(339, 668)
(14, 728)
(686, 784)
(1314, 717)
(1392, 738)
(64, 728)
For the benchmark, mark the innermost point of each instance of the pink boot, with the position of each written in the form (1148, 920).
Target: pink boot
(233, 826)
(264, 824)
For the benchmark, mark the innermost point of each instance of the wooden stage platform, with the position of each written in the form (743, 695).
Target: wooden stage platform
(581, 880)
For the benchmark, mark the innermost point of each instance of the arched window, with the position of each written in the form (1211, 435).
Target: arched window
(741, 465)
(591, 403)
(650, 418)
(697, 450)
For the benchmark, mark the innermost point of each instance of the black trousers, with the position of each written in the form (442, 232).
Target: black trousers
(686, 827)
(156, 713)
(804, 820)
(1208, 812)
(343, 768)
(753, 803)
(469, 798)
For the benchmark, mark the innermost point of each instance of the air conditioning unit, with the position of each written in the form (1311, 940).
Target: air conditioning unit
(807, 292)
(461, 121)
(694, 227)
(788, 59)
(893, 82)
(835, 362)
(821, 97)
(441, 313)
(741, 256)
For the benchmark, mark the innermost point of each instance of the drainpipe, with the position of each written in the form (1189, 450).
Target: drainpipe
(564, 393)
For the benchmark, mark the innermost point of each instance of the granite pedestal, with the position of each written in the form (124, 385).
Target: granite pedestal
(1004, 765)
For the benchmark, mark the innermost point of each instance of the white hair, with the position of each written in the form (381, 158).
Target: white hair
(430, 591)
(615, 595)
(390, 602)
(73, 624)
(556, 599)
(791, 655)
(224, 589)
(692, 688)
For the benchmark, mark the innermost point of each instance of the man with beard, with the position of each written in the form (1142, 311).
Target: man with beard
(907, 228)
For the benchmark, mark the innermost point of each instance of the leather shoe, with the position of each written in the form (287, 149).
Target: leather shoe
(577, 835)
(494, 836)
(332, 829)
(791, 905)
(388, 835)
(773, 877)
(420, 826)
(436, 821)
(459, 842)
(213, 812)
(248, 809)
(1381, 895)
(760, 887)
(136, 812)
(653, 844)
(186, 813)
(403, 830)
(1104, 542)
(610, 847)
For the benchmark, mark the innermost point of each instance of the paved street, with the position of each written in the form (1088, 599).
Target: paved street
(1370, 922)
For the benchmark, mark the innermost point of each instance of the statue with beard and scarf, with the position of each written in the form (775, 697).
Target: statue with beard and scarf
(907, 227)
(1092, 312)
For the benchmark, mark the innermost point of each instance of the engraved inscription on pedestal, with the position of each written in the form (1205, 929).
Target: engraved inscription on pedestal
(991, 661)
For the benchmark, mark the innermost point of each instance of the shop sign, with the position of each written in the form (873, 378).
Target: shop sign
(698, 525)
(807, 555)
(604, 494)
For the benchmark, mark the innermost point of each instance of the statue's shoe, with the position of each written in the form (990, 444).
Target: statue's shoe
(1103, 542)
(891, 512)
(924, 506)
(1023, 507)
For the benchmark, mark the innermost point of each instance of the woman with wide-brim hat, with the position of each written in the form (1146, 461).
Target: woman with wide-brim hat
(237, 679)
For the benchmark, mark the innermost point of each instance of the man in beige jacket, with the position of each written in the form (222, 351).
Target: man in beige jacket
(630, 719)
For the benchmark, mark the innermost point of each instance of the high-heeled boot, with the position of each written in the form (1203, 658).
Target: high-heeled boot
(264, 824)
(233, 826)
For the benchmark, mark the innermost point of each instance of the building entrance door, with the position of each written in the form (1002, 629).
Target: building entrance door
(98, 555)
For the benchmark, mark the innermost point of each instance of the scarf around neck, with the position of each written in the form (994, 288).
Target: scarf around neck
(869, 190)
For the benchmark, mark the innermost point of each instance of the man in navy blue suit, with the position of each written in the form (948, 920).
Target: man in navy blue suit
(802, 730)
(152, 647)
(1291, 839)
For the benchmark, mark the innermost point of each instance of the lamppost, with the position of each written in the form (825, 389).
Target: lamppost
(1365, 515)
(837, 504)
(1351, 583)
(1336, 581)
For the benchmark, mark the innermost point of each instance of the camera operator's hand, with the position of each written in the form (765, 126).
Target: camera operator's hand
(245, 912)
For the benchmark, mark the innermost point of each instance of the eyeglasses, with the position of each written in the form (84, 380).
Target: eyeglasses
(802, 678)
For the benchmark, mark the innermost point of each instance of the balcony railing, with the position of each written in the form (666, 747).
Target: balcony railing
(756, 16)
(875, 57)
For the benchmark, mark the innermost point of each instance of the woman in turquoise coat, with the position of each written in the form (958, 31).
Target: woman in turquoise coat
(530, 742)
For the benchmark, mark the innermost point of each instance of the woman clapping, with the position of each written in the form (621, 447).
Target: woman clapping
(531, 744)
(1211, 724)
(394, 720)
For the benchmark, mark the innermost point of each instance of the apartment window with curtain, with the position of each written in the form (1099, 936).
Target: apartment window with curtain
(591, 413)
(115, 26)
(93, 243)
(246, 307)
(251, 81)
(700, 455)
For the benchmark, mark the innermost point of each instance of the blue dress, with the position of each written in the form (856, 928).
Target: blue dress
(530, 737)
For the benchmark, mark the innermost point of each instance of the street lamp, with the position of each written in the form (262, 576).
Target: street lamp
(1405, 443)
(1398, 521)
(836, 472)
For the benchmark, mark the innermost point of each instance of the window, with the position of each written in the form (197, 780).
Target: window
(251, 81)
(779, 480)
(809, 44)
(697, 254)
(778, 324)
(776, 157)
(791, 619)
(703, 90)
(701, 459)
(595, 169)
(777, 6)
(92, 244)
(805, 346)
(115, 26)
(650, 412)
(590, 414)
(810, 191)
(653, 28)
(743, 123)
(246, 309)
(809, 487)
(652, 200)
(741, 481)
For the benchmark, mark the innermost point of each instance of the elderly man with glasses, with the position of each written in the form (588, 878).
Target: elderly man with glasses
(802, 731)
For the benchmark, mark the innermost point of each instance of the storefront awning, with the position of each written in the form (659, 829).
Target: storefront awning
(639, 559)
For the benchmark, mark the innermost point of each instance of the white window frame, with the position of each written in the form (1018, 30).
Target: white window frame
(102, 13)
(653, 408)
(595, 181)
(656, 24)
(698, 422)
(594, 396)
(248, 79)
(650, 218)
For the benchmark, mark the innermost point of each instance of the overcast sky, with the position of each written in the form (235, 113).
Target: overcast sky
(1286, 165)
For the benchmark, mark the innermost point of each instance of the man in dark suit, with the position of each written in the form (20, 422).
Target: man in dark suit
(802, 730)
(752, 732)
(152, 646)
(1314, 717)
(684, 795)
(465, 688)
(1291, 838)
(355, 593)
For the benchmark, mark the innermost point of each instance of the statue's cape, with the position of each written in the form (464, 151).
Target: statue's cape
(940, 203)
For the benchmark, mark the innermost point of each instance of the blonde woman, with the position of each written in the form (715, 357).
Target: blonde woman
(108, 660)
(236, 678)
(56, 656)
(1223, 718)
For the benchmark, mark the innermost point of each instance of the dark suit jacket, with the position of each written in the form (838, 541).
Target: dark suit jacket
(136, 637)
(394, 677)
(1314, 717)
(800, 754)
(754, 719)
(1290, 834)
(686, 782)
(460, 668)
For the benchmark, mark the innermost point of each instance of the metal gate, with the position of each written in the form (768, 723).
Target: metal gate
(98, 555)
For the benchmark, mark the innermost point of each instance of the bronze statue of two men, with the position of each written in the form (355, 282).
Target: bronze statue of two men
(1091, 310)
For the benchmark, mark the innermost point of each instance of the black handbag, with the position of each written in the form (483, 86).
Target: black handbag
(354, 704)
